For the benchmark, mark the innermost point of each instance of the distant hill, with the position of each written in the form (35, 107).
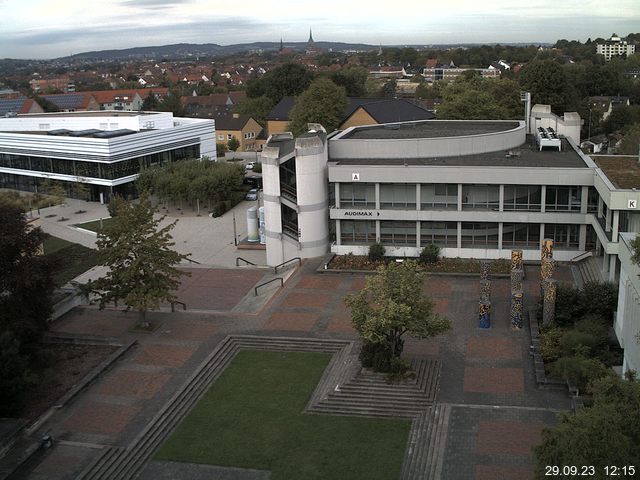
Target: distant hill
(207, 49)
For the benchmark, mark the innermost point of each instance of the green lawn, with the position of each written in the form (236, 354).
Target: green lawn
(252, 417)
(94, 226)
(69, 259)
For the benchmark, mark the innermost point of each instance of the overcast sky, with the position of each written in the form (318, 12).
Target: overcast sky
(54, 28)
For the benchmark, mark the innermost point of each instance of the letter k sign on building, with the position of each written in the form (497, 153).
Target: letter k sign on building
(632, 204)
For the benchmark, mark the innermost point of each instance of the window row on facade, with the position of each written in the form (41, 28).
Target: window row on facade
(447, 196)
(109, 171)
(472, 234)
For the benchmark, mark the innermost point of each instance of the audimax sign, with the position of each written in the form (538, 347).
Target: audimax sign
(361, 213)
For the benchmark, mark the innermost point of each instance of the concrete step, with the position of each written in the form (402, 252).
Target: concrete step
(366, 411)
(125, 464)
(424, 461)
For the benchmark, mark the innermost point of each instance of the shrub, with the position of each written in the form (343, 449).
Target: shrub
(14, 374)
(568, 305)
(580, 370)
(379, 357)
(550, 344)
(430, 254)
(574, 342)
(376, 252)
(600, 298)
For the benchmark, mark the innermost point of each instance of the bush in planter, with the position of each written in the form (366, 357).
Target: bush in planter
(580, 370)
(376, 252)
(600, 298)
(550, 344)
(430, 254)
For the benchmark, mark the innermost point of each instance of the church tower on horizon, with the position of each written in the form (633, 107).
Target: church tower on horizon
(310, 41)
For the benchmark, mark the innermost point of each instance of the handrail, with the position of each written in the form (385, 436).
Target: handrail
(255, 290)
(581, 256)
(173, 305)
(192, 261)
(245, 261)
(275, 269)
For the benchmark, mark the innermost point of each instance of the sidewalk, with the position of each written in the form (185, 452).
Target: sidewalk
(209, 240)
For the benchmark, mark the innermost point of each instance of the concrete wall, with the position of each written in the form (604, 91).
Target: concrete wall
(627, 318)
(567, 125)
(427, 147)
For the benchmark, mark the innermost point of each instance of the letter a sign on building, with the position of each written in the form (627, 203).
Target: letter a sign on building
(355, 177)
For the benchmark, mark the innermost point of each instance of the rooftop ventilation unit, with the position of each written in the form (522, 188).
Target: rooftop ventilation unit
(547, 137)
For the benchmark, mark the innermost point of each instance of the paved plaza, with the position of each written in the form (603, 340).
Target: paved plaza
(495, 411)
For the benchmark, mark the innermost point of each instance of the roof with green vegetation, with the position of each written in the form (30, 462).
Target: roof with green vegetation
(623, 171)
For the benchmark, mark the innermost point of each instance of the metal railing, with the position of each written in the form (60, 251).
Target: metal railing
(245, 261)
(255, 290)
(173, 305)
(192, 261)
(581, 256)
(275, 269)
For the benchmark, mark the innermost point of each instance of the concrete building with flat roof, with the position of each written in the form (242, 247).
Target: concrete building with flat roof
(477, 189)
(104, 149)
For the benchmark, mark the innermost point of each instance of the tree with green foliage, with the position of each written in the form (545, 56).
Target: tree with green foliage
(606, 433)
(630, 144)
(138, 252)
(233, 144)
(479, 98)
(288, 80)
(15, 374)
(392, 304)
(221, 149)
(150, 103)
(257, 108)
(547, 82)
(26, 283)
(172, 103)
(54, 190)
(323, 102)
(26, 287)
(353, 79)
(621, 117)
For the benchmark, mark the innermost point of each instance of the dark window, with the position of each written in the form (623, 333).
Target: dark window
(521, 235)
(398, 233)
(480, 197)
(479, 235)
(443, 234)
(357, 232)
(522, 197)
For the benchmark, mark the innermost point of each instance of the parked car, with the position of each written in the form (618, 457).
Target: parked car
(249, 166)
(252, 194)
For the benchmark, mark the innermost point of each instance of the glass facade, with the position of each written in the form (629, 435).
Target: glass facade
(401, 196)
(479, 235)
(288, 179)
(104, 170)
(357, 195)
(399, 233)
(480, 197)
(522, 198)
(441, 196)
(521, 235)
(289, 221)
(443, 234)
(563, 236)
(353, 232)
(563, 199)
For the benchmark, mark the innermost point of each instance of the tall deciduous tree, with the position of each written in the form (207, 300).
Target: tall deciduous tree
(547, 82)
(476, 98)
(288, 80)
(323, 102)
(142, 265)
(392, 304)
(26, 284)
(605, 434)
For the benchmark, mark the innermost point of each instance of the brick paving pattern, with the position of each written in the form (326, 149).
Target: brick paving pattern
(493, 380)
(294, 321)
(134, 384)
(514, 438)
(486, 377)
(164, 355)
(494, 347)
(101, 418)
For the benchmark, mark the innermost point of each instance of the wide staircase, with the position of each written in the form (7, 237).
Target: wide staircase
(589, 269)
(119, 463)
(371, 394)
